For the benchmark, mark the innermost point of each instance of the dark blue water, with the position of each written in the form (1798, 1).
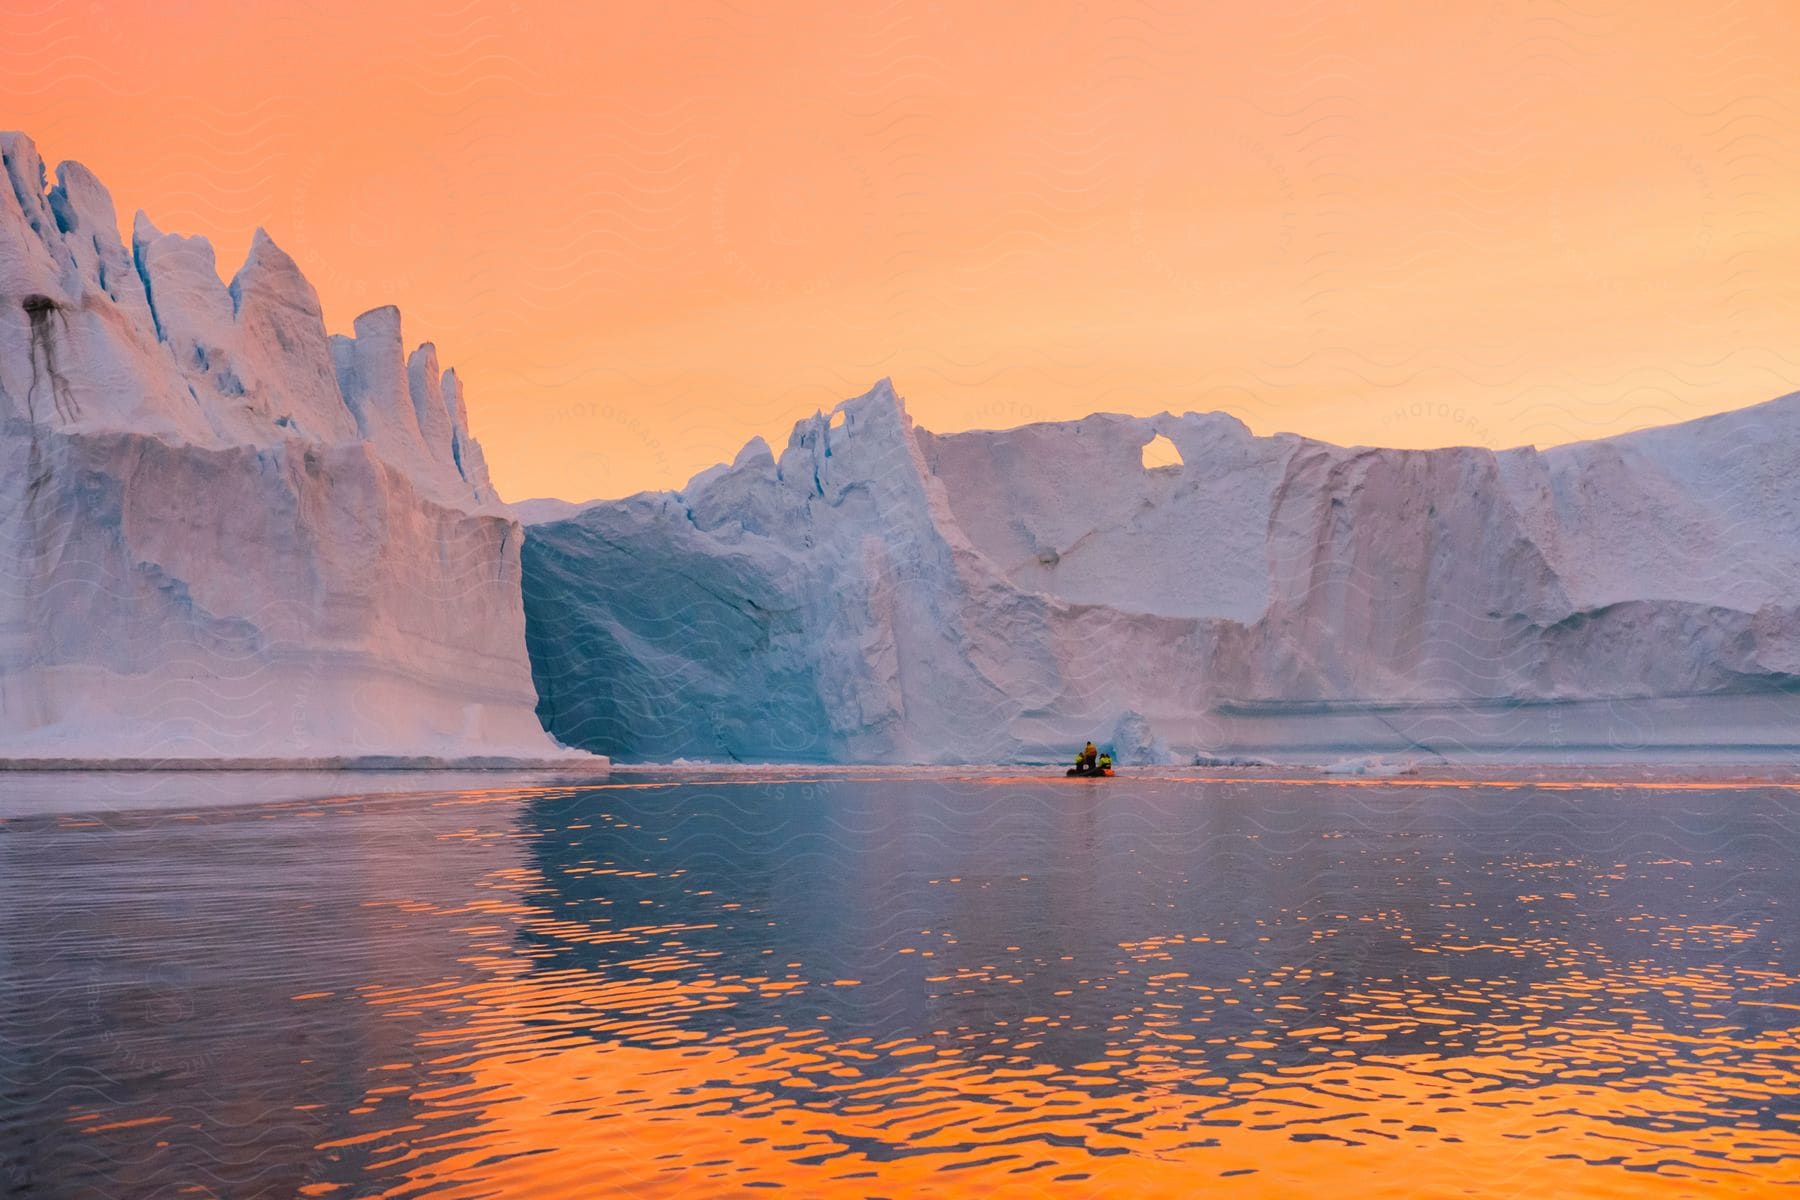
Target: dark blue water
(900, 985)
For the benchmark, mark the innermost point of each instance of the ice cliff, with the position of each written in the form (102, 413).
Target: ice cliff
(880, 593)
(224, 533)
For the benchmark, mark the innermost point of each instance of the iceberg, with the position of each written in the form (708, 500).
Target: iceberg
(228, 537)
(880, 593)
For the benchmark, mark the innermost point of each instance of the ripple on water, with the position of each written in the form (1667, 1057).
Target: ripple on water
(899, 986)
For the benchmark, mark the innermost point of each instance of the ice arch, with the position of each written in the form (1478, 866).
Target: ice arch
(1159, 452)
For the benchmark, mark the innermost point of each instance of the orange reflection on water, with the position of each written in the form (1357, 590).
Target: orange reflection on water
(633, 1079)
(792, 1108)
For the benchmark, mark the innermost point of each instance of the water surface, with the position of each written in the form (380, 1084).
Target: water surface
(884, 984)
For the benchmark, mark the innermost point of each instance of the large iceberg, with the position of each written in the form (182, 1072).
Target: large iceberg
(880, 593)
(226, 535)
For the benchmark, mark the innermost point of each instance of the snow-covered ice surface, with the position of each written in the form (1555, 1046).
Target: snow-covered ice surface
(544, 508)
(878, 593)
(225, 534)
(106, 791)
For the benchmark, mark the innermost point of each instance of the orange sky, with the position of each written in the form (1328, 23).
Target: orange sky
(645, 232)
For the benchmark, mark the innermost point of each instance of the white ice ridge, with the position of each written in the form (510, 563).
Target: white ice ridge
(225, 534)
(879, 593)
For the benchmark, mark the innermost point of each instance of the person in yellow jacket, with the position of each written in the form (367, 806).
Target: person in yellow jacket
(1089, 756)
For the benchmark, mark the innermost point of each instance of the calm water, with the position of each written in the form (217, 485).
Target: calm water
(891, 986)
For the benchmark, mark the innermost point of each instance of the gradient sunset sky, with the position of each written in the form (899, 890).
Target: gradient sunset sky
(646, 232)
